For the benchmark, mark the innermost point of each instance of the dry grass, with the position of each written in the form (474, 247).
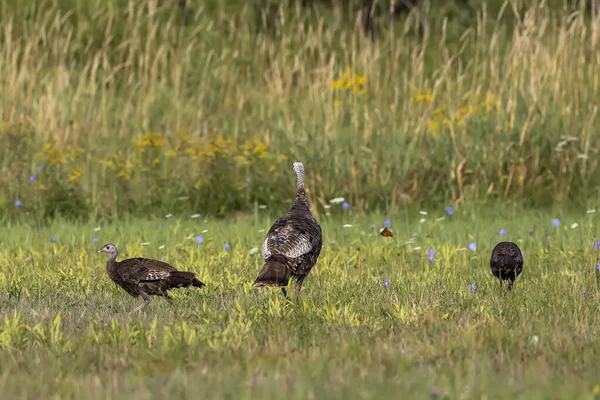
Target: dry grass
(455, 113)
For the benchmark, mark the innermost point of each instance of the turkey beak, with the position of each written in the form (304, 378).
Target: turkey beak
(101, 250)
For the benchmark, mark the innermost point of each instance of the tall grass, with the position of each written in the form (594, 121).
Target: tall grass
(135, 106)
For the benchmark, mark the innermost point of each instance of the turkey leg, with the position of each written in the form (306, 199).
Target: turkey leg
(144, 304)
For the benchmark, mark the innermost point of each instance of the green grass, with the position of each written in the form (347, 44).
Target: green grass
(65, 331)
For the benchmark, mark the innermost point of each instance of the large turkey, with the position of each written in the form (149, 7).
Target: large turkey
(506, 262)
(293, 243)
(145, 277)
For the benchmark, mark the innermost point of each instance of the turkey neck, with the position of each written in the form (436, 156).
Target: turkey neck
(300, 201)
(111, 264)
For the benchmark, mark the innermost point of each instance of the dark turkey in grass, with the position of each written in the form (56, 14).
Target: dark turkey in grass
(293, 243)
(506, 262)
(146, 277)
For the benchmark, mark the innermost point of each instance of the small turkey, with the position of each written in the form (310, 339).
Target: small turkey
(293, 243)
(145, 277)
(506, 262)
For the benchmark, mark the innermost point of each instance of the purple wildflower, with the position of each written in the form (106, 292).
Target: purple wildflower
(472, 287)
(523, 254)
(431, 259)
(346, 205)
(199, 239)
(583, 292)
(95, 240)
(425, 303)
(53, 239)
(473, 246)
(598, 266)
(386, 283)
(387, 223)
(597, 245)
(450, 211)
(372, 226)
(38, 169)
(431, 252)
(227, 246)
(502, 232)
(556, 222)
(32, 178)
(18, 203)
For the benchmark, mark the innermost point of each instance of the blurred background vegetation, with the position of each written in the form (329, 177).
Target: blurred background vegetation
(152, 107)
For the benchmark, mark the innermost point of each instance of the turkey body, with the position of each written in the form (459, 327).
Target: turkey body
(506, 262)
(142, 275)
(292, 245)
(146, 277)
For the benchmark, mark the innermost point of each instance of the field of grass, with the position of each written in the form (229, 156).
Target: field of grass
(65, 332)
(123, 107)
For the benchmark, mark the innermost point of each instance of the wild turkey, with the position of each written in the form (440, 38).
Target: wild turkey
(506, 262)
(145, 277)
(293, 243)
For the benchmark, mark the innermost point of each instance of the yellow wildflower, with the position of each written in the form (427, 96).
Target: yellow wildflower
(171, 153)
(53, 154)
(75, 174)
(260, 150)
(425, 97)
(125, 173)
(490, 101)
(154, 140)
(241, 160)
(433, 126)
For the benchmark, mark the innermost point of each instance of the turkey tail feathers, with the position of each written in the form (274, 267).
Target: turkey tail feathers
(275, 272)
(184, 279)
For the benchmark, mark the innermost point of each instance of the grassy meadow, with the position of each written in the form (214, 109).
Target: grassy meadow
(65, 331)
(171, 131)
